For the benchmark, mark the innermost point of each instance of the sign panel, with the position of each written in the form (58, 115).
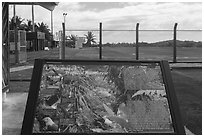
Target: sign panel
(101, 97)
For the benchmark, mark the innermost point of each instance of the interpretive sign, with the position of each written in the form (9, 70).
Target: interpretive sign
(101, 97)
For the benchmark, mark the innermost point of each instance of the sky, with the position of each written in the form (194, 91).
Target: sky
(122, 15)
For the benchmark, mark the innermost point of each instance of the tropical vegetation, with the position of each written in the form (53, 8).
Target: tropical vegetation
(90, 39)
(71, 40)
(167, 43)
(27, 26)
(19, 23)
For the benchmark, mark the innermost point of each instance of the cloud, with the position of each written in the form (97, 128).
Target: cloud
(68, 6)
(122, 15)
(160, 16)
(100, 6)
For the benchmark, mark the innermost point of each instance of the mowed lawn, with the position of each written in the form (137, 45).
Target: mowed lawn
(153, 53)
(192, 54)
(187, 82)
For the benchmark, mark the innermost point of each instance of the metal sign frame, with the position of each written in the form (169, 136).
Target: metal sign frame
(36, 79)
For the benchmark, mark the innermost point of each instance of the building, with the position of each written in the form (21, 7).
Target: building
(79, 42)
(5, 38)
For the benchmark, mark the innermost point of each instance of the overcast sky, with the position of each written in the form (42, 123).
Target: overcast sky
(119, 15)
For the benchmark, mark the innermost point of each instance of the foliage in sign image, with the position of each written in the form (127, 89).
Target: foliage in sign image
(102, 99)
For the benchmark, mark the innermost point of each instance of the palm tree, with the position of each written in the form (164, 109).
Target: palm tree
(19, 22)
(72, 40)
(90, 37)
(28, 26)
(42, 27)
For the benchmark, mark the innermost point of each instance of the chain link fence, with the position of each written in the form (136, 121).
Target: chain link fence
(172, 45)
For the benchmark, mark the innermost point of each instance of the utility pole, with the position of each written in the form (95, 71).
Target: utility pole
(64, 14)
(62, 43)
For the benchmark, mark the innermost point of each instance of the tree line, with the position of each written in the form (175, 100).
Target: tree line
(27, 25)
(90, 40)
(167, 43)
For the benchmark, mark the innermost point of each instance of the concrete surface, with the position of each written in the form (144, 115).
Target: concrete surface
(185, 65)
(20, 68)
(13, 112)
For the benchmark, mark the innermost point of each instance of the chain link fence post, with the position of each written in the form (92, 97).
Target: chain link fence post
(137, 42)
(174, 50)
(100, 41)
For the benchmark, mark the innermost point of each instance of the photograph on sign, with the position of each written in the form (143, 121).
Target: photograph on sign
(104, 98)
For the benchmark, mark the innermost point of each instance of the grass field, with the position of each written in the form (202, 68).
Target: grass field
(187, 82)
(154, 53)
(121, 53)
(145, 53)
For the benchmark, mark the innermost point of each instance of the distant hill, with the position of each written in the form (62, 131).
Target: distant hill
(167, 43)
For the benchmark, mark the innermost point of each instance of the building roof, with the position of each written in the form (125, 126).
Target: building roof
(48, 5)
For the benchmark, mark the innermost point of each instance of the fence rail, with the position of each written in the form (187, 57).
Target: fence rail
(127, 30)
